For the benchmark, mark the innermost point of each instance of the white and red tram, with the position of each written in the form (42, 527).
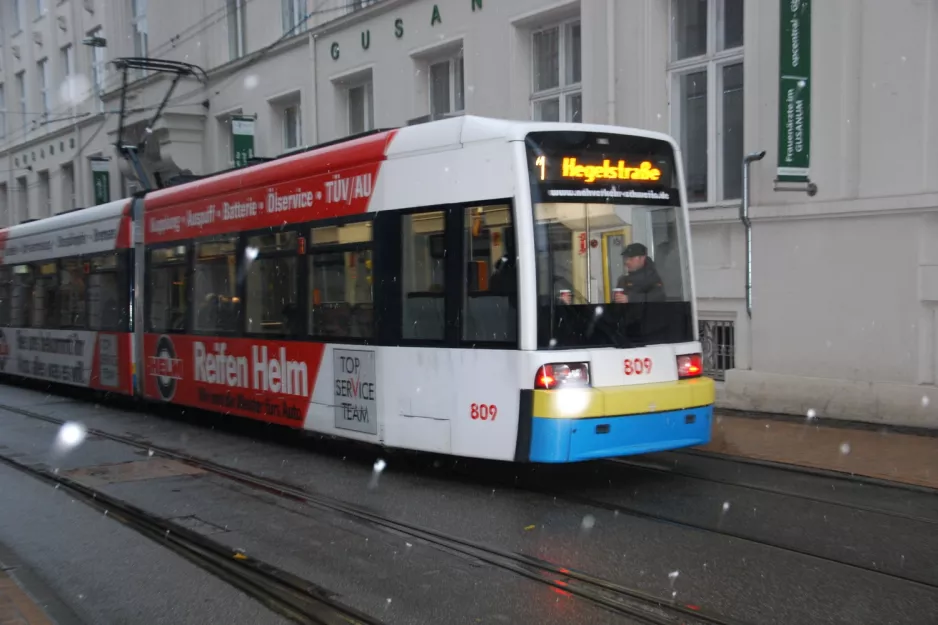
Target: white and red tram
(454, 287)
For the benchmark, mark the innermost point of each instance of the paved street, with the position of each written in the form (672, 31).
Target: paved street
(732, 538)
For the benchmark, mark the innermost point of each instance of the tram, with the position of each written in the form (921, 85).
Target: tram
(519, 291)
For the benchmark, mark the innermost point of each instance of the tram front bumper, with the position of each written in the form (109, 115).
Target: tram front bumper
(620, 421)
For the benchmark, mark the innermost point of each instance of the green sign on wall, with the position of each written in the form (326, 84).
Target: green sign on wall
(101, 180)
(242, 139)
(794, 90)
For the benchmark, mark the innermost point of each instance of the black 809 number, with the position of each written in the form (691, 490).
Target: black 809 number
(638, 366)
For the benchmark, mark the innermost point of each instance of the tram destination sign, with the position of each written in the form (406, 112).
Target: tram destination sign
(600, 167)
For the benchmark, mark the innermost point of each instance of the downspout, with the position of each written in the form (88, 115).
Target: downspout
(747, 223)
(610, 62)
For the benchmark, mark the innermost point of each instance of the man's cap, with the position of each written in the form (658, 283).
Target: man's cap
(635, 249)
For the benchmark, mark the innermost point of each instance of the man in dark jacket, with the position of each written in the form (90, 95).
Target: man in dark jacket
(642, 282)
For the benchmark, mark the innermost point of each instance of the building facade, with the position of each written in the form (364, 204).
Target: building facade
(841, 95)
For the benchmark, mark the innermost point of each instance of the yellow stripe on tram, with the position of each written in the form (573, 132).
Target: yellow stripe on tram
(624, 400)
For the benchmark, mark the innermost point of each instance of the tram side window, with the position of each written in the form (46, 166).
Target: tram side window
(423, 281)
(71, 294)
(6, 295)
(217, 307)
(340, 281)
(45, 296)
(271, 261)
(21, 302)
(167, 289)
(490, 299)
(107, 300)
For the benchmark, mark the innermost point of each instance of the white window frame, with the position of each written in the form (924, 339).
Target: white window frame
(3, 111)
(712, 61)
(563, 91)
(43, 78)
(452, 61)
(294, 23)
(237, 36)
(368, 123)
(284, 131)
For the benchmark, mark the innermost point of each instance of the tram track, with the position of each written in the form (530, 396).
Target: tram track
(638, 605)
(278, 590)
(652, 468)
(623, 509)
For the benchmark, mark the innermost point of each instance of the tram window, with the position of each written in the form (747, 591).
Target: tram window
(45, 296)
(107, 301)
(21, 303)
(217, 307)
(340, 281)
(6, 295)
(167, 289)
(72, 290)
(423, 281)
(271, 298)
(491, 292)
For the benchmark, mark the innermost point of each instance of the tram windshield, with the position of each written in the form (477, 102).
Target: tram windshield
(609, 244)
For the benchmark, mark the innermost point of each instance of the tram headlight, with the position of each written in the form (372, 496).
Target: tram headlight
(689, 366)
(562, 375)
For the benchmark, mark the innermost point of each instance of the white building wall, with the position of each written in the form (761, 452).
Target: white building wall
(845, 283)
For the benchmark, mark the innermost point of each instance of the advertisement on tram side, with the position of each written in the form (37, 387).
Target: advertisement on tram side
(99, 360)
(266, 380)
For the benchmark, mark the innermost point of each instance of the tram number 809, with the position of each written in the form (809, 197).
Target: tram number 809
(638, 366)
(485, 412)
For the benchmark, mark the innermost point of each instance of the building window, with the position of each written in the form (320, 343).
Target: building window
(272, 284)
(361, 111)
(358, 5)
(446, 87)
(718, 343)
(139, 26)
(557, 91)
(236, 32)
(22, 200)
(68, 186)
(98, 66)
(40, 7)
(68, 61)
(18, 14)
(706, 77)
(45, 198)
(3, 113)
(294, 16)
(292, 127)
(44, 86)
(340, 281)
(21, 92)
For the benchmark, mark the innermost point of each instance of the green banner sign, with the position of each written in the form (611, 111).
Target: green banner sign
(101, 180)
(794, 90)
(242, 139)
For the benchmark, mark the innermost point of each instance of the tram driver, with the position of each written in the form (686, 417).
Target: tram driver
(641, 282)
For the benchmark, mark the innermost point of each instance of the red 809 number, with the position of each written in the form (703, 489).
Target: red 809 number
(638, 366)
(485, 412)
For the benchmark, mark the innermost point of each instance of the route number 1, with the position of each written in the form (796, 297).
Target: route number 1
(485, 412)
